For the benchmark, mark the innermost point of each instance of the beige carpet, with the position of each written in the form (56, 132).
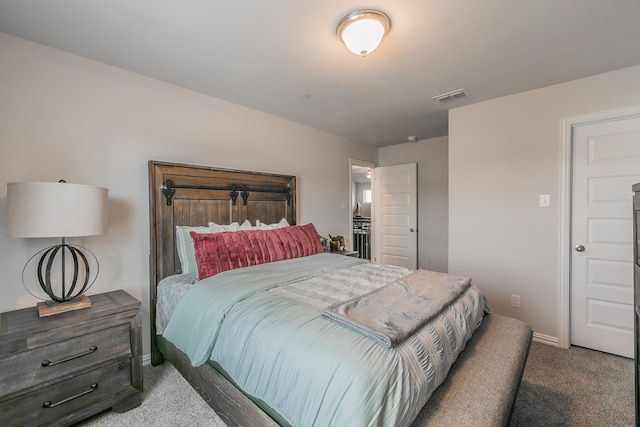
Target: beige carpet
(167, 401)
(575, 387)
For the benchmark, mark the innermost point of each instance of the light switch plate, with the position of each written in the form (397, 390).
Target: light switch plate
(545, 200)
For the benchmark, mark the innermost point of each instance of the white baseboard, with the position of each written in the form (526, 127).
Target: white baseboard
(546, 339)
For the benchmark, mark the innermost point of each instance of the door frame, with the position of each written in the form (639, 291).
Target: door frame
(566, 154)
(364, 164)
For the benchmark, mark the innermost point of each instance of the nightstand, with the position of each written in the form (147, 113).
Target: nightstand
(60, 369)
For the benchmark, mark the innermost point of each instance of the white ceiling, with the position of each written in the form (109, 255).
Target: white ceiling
(267, 54)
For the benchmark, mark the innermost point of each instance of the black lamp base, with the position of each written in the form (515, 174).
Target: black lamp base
(49, 308)
(64, 295)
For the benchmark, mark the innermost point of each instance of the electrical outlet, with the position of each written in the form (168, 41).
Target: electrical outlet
(425, 263)
(515, 301)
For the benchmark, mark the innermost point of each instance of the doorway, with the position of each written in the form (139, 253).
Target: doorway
(601, 160)
(361, 198)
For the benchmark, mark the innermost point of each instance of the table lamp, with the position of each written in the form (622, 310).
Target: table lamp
(58, 209)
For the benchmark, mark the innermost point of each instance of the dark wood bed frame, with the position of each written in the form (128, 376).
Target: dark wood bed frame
(482, 385)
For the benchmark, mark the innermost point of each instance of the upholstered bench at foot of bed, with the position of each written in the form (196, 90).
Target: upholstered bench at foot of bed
(482, 385)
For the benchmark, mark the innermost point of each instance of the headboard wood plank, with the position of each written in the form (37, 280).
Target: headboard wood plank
(199, 195)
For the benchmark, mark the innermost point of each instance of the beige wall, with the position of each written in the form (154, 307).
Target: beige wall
(503, 154)
(431, 156)
(63, 116)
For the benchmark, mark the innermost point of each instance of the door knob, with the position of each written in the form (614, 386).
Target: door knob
(579, 248)
(411, 229)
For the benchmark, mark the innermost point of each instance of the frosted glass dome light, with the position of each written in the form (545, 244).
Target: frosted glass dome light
(362, 31)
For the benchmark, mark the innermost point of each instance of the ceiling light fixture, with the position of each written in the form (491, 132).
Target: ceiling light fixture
(362, 30)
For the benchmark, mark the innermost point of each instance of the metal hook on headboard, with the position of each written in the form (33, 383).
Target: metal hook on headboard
(169, 191)
(233, 194)
(245, 194)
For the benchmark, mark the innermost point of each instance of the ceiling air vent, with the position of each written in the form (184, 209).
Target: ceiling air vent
(450, 96)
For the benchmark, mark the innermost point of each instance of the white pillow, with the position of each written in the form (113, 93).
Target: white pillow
(184, 247)
(283, 223)
(234, 226)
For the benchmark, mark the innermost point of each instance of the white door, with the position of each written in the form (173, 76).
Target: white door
(395, 215)
(606, 163)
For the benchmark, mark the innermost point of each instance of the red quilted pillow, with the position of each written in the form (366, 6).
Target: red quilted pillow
(220, 252)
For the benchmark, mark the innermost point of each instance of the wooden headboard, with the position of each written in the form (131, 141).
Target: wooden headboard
(192, 195)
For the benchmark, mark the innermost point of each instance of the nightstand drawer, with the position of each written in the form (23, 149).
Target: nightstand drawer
(63, 402)
(46, 363)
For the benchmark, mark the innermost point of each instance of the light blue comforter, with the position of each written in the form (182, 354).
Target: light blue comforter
(263, 325)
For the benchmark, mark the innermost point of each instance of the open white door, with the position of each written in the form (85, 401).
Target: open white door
(395, 215)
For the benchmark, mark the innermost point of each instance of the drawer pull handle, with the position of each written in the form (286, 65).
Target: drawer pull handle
(92, 349)
(49, 404)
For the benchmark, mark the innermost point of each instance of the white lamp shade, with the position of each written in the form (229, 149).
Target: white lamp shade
(55, 209)
(363, 37)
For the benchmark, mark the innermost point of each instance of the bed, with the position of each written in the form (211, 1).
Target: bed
(479, 388)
